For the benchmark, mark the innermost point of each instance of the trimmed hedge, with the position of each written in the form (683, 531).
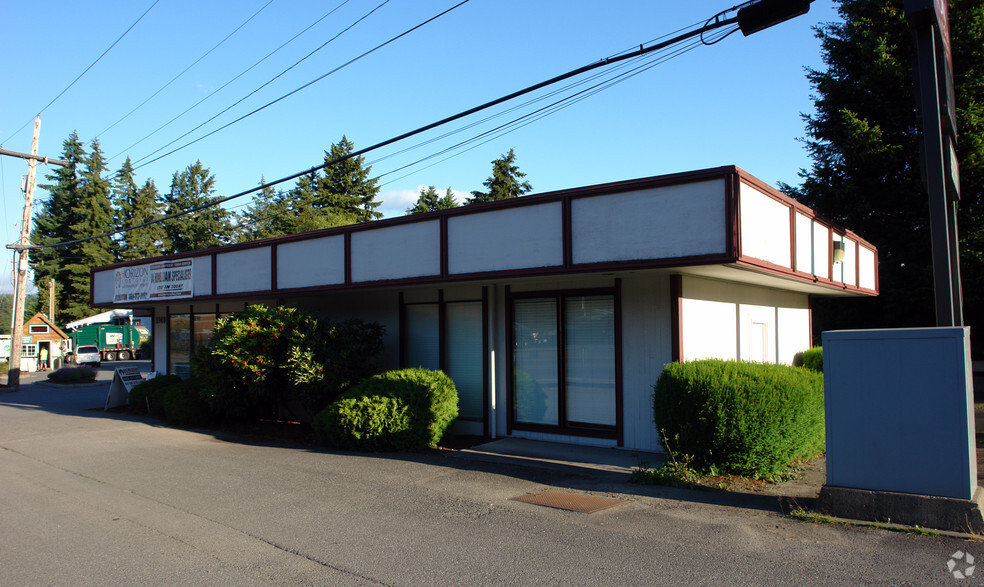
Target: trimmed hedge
(72, 375)
(148, 397)
(185, 405)
(813, 359)
(750, 419)
(400, 410)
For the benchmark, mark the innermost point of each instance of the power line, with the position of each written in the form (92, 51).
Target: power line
(86, 69)
(310, 83)
(719, 23)
(185, 70)
(239, 75)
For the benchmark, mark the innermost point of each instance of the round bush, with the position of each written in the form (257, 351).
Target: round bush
(148, 397)
(751, 419)
(400, 410)
(813, 359)
(185, 405)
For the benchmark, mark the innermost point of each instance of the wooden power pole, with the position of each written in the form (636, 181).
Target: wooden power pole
(20, 290)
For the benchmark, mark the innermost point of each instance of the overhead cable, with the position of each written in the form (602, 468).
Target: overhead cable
(564, 76)
(239, 75)
(185, 70)
(86, 70)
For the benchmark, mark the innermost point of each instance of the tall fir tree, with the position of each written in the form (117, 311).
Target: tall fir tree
(345, 190)
(505, 181)
(268, 215)
(52, 222)
(136, 206)
(429, 201)
(864, 143)
(205, 228)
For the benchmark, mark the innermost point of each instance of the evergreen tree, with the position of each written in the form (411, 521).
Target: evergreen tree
(269, 215)
(51, 223)
(864, 143)
(209, 227)
(505, 181)
(136, 206)
(345, 190)
(429, 200)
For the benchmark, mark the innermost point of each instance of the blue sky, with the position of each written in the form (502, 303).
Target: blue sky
(735, 102)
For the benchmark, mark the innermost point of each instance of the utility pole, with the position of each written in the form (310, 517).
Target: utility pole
(20, 289)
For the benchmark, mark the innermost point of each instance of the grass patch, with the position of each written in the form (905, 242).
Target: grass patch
(804, 515)
(979, 407)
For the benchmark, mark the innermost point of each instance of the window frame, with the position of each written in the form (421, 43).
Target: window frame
(564, 426)
(38, 329)
(442, 338)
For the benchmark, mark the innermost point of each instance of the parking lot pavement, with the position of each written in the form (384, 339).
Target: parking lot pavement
(90, 497)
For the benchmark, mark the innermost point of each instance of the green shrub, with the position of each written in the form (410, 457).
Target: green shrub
(148, 397)
(749, 419)
(185, 405)
(72, 375)
(400, 410)
(813, 359)
(265, 361)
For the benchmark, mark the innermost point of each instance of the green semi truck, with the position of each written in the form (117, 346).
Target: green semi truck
(115, 341)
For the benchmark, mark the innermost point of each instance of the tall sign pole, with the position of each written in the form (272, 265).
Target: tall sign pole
(16, 338)
(929, 20)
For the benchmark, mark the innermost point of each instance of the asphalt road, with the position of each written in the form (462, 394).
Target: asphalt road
(92, 498)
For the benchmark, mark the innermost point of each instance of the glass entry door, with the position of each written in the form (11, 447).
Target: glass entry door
(564, 371)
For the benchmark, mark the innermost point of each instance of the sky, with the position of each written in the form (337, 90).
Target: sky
(736, 102)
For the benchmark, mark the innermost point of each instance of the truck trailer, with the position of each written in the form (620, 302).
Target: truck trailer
(115, 341)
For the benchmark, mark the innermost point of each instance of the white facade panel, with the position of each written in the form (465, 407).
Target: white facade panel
(804, 243)
(397, 252)
(243, 270)
(202, 276)
(102, 287)
(517, 238)
(793, 327)
(309, 263)
(837, 269)
(709, 330)
(646, 349)
(757, 333)
(764, 227)
(821, 256)
(866, 268)
(850, 262)
(658, 223)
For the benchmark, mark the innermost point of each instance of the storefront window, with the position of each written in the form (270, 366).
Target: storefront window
(179, 345)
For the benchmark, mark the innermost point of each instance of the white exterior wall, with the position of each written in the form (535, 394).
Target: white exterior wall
(516, 238)
(765, 227)
(657, 223)
(396, 252)
(309, 263)
(102, 287)
(804, 243)
(202, 276)
(243, 270)
(724, 320)
(866, 259)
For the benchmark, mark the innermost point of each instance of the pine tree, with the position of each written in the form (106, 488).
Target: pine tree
(345, 190)
(504, 182)
(91, 214)
(269, 215)
(209, 227)
(429, 200)
(136, 206)
(51, 223)
(864, 143)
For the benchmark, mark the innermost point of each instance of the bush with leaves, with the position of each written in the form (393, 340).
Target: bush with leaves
(185, 405)
(148, 397)
(265, 362)
(72, 375)
(813, 359)
(750, 419)
(408, 409)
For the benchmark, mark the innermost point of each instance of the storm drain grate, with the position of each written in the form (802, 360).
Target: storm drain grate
(587, 504)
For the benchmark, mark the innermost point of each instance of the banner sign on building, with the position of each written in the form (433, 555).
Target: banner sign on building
(155, 281)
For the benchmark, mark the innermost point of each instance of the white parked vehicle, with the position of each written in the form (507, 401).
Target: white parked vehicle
(88, 355)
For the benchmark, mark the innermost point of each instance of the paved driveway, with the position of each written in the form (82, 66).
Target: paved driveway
(93, 498)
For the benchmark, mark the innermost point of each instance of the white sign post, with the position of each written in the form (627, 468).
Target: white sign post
(125, 379)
